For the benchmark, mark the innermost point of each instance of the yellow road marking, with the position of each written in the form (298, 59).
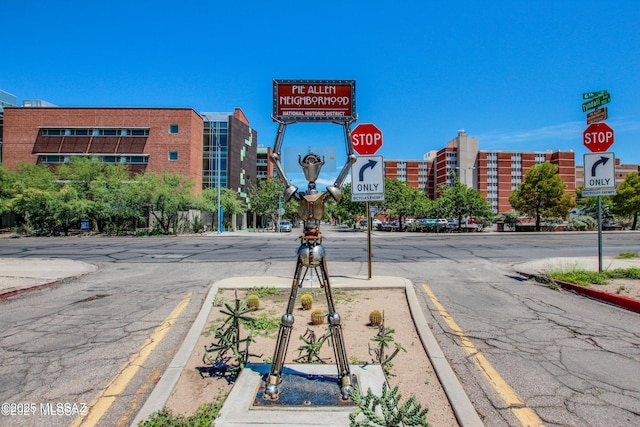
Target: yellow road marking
(99, 406)
(524, 414)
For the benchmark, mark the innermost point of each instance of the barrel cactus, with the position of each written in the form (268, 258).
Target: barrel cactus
(253, 301)
(317, 317)
(375, 318)
(307, 301)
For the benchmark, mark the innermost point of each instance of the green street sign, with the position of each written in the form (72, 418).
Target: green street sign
(605, 98)
(590, 95)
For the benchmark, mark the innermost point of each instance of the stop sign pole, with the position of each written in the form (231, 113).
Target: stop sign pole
(597, 137)
(366, 139)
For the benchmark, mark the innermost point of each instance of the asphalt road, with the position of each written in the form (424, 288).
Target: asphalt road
(572, 360)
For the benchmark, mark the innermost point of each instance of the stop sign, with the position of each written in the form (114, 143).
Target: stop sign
(598, 137)
(366, 139)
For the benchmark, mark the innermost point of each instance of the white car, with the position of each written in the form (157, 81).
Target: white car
(285, 226)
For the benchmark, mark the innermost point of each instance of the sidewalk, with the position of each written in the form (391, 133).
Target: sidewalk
(538, 268)
(19, 275)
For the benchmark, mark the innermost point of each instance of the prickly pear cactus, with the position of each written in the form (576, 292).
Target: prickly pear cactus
(307, 301)
(375, 318)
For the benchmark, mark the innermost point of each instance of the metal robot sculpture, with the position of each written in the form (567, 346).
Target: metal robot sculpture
(311, 255)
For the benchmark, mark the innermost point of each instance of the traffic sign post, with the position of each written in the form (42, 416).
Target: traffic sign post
(366, 139)
(599, 169)
(367, 185)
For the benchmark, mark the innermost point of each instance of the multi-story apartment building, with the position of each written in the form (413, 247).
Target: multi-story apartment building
(500, 172)
(494, 173)
(413, 172)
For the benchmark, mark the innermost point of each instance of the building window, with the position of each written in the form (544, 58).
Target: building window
(174, 128)
(173, 156)
(135, 132)
(53, 132)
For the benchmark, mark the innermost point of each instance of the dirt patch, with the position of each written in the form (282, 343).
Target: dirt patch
(625, 287)
(411, 371)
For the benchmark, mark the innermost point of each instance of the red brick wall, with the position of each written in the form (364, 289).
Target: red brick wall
(21, 127)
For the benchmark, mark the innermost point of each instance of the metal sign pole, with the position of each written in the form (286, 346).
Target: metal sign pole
(369, 236)
(599, 234)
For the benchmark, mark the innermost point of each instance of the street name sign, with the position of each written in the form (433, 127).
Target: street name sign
(367, 179)
(590, 95)
(599, 171)
(596, 102)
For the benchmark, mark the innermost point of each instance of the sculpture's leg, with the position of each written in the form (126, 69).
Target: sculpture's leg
(335, 328)
(286, 324)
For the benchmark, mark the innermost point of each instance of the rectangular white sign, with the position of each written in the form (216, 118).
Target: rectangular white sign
(599, 171)
(367, 179)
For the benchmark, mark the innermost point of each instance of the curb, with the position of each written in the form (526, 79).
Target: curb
(462, 407)
(12, 292)
(613, 299)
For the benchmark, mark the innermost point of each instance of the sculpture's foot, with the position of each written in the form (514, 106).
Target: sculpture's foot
(346, 388)
(271, 390)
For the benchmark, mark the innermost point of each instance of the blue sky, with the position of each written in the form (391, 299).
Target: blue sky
(509, 72)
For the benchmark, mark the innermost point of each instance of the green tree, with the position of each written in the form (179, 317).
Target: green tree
(627, 200)
(80, 173)
(67, 208)
(399, 199)
(32, 191)
(34, 206)
(207, 201)
(166, 195)
(460, 201)
(542, 194)
(118, 203)
(264, 197)
(7, 189)
(346, 210)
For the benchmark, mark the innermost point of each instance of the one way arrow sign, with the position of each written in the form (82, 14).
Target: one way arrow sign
(599, 171)
(367, 179)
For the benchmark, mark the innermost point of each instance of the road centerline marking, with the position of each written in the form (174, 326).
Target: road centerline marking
(103, 401)
(525, 415)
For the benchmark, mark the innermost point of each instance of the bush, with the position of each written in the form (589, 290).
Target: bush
(581, 223)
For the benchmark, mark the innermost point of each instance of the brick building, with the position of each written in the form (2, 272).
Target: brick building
(500, 172)
(145, 139)
(494, 173)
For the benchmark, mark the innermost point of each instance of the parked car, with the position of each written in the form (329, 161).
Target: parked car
(284, 226)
